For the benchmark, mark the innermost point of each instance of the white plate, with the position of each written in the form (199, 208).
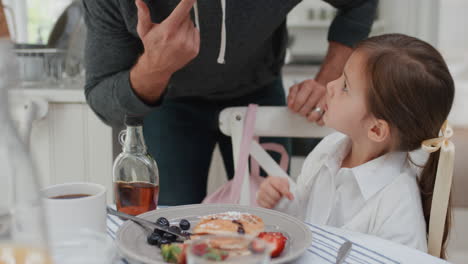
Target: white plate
(131, 238)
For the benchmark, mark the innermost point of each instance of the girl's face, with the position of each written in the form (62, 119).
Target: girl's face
(346, 102)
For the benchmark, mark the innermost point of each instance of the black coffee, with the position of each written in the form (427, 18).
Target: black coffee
(70, 196)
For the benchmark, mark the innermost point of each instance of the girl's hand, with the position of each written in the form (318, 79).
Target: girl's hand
(272, 190)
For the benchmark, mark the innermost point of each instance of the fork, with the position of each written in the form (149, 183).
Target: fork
(147, 225)
(343, 251)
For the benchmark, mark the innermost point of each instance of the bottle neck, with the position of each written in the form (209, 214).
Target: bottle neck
(134, 140)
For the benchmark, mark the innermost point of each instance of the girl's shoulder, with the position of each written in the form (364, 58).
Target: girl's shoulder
(398, 212)
(407, 178)
(402, 194)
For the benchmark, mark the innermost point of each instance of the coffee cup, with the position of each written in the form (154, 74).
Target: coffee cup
(74, 206)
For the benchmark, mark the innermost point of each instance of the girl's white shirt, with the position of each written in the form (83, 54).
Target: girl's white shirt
(380, 197)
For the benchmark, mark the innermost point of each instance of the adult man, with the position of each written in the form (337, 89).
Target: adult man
(150, 59)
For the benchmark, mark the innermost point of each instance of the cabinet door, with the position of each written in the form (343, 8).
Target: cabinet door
(71, 144)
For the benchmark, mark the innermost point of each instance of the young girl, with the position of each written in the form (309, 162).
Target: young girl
(395, 92)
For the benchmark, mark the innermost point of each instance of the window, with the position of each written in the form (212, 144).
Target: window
(42, 15)
(31, 21)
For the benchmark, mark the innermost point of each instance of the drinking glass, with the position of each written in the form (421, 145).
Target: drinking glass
(83, 246)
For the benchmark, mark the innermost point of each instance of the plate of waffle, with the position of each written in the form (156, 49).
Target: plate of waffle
(288, 236)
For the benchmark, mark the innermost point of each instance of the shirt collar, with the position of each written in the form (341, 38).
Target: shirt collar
(374, 175)
(371, 176)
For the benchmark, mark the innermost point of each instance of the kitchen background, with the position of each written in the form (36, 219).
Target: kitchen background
(69, 143)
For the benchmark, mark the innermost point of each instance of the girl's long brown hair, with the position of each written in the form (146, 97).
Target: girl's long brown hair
(411, 88)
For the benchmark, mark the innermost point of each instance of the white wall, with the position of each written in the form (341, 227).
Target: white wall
(453, 34)
(418, 18)
(453, 44)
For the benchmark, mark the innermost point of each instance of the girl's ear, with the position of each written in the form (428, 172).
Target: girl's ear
(379, 131)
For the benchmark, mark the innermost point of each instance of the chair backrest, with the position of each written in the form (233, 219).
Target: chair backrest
(442, 187)
(440, 200)
(271, 121)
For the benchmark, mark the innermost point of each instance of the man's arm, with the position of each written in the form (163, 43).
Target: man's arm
(353, 21)
(111, 51)
(333, 64)
(117, 83)
(351, 25)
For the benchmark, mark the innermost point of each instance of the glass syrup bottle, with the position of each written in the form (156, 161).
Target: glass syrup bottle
(135, 172)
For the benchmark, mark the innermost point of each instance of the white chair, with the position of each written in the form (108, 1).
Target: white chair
(271, 121)
(280, 122)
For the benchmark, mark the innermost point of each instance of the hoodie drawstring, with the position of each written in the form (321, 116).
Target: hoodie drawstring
(222, 49)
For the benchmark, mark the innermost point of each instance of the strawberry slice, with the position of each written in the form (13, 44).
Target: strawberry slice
(276, 239)
(200, 249)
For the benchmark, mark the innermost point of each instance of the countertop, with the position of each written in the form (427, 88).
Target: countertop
(66, 92)
(72, 91)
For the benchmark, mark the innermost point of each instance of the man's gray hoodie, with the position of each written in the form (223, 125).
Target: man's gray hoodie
(250, 56)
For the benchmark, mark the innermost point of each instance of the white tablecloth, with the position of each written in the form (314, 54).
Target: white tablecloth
(326, 241)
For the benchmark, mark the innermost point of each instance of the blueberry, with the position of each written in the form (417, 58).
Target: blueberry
(164, 241)
(186, 233)
(240, 230)
(160, 232)
(184, 224)
(154, 238)
(162, 221)
(169, 237)
(174, 229)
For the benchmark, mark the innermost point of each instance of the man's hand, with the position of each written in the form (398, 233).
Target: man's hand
(272, 190)
(306, 96)
(168, 46)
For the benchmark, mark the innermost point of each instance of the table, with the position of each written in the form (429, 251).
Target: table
(326, 241)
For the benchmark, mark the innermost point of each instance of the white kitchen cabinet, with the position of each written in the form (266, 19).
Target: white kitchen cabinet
(69, 143)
